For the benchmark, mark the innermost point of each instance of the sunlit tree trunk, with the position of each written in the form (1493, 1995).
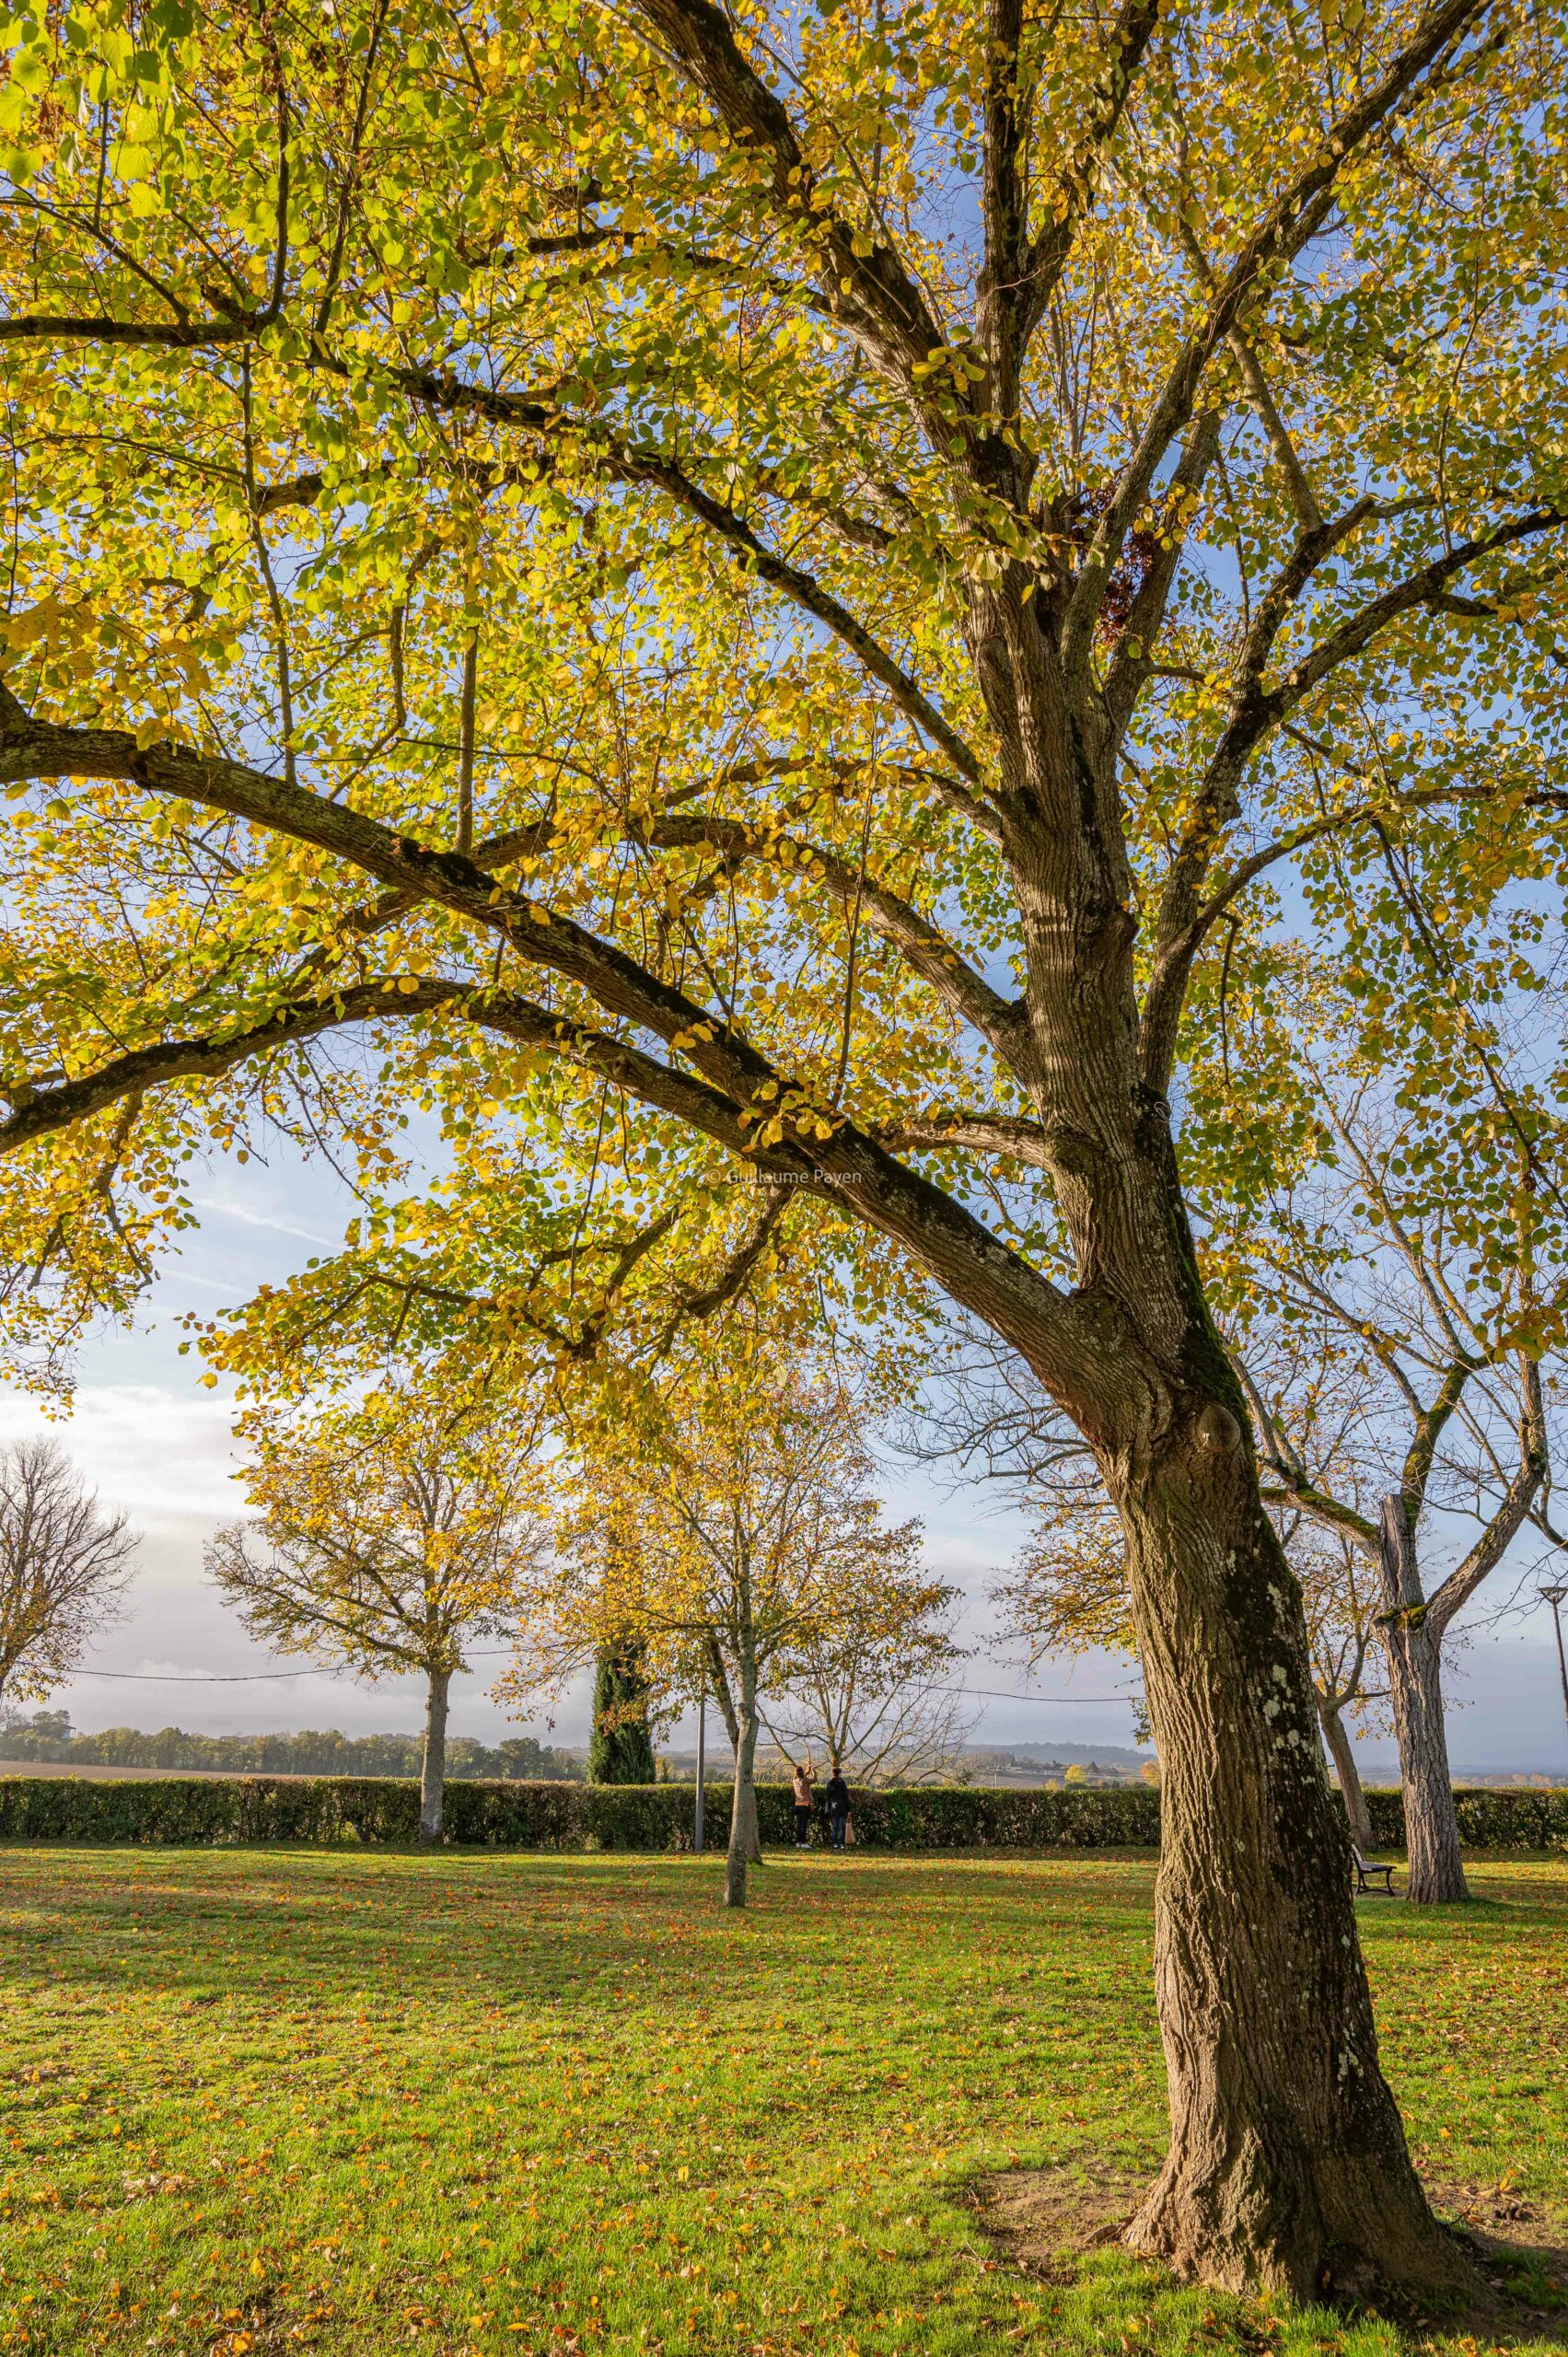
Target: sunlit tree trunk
(744, 1798)
(1286, 2156)
(744, 1846)
(433, 1768)
(1342, 1751)
(1414, 1647)
(745, 1842)
(1431, 1823)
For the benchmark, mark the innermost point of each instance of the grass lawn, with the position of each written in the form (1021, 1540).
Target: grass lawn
(362, 2102)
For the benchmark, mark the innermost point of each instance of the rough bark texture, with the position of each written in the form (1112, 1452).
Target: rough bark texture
(1432, 1825)
(433, 1768)
(1287, 2165)
(1342, 1752)
(1415, 1687)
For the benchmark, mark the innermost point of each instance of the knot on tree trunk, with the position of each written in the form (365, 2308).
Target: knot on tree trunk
(1216, 1432)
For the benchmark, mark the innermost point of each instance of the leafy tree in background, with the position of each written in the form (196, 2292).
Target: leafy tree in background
(734, 1533)
(64, 1564)
(391, 1534)
(764, 590)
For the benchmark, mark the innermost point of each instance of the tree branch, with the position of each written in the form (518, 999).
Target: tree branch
(40, 1109)
(1048, 256)
(863, 284)
(1290, 221)
(926, 950)
(1499, 1535)
(1012, 1135)
(730, 1099)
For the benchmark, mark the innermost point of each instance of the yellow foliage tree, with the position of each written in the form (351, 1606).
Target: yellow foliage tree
(391, 1534)
(735, 1528)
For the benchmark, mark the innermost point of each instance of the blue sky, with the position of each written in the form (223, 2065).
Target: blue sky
(152, 1440)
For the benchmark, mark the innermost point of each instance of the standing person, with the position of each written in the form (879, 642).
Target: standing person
(803, 1796)
(837, 1808)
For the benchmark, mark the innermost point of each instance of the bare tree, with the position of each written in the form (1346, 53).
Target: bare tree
(63, 1566)
(873, 1687)
(1444, 1363)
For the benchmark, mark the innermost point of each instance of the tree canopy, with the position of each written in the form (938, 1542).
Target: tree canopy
(520, 580)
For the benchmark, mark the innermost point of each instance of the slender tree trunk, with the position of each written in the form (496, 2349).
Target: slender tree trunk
(731, 1718)
(752, 1828)
(433, 1768)
(1336, 1734)
(743, 1847)
(1415, 1688)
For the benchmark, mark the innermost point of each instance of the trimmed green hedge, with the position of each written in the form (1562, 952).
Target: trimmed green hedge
(1506, 1816)
(514, 1815)
(182, 1810)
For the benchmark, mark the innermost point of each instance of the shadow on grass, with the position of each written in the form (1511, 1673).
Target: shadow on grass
(1064, 2226)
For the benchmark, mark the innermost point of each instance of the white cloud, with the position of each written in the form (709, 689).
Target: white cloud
(156, 1453)
(223, 1208)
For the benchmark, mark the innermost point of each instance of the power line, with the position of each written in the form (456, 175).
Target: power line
(996, 1694)
(266, 1677)
(239, 1678)
(183, 1677)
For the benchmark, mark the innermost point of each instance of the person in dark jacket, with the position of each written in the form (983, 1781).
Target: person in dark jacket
(837, 1808)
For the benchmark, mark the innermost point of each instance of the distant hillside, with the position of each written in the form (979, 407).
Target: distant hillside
(999, 1765)
(1063, 1755)
(48, 1738)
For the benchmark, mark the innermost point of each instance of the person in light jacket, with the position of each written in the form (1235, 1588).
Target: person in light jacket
(804, 1780)
(837, 1797)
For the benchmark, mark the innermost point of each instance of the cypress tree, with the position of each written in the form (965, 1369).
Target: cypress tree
(620, 1749)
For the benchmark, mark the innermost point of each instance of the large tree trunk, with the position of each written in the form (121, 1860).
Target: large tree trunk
(1336, 1734)
(1287, 2166)
(1415, 1688)
(433, 1767)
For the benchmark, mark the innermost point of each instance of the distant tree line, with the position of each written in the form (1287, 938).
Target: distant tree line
(48, 1735)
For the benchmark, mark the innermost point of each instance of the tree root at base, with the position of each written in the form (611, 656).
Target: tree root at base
(1511, 2287)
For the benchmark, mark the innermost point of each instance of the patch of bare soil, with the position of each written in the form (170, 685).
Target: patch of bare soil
(1045, 2220)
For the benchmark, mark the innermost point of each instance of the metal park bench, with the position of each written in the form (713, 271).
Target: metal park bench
(1366, 1876)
